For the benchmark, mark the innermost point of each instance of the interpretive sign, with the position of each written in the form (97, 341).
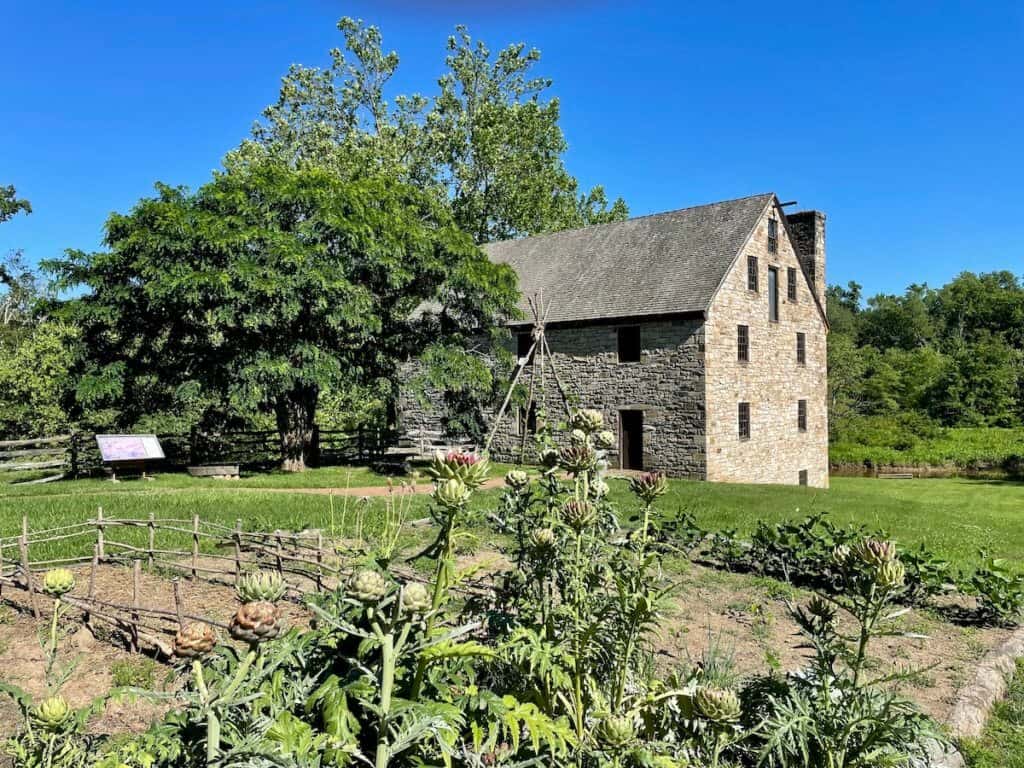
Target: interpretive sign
(114, 448)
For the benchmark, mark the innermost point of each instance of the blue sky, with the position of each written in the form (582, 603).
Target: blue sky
(903, 121)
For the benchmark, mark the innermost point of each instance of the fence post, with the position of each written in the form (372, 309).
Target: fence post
(152, 538)
(195, 546)
(136, 591)
(238, 550)
(319, 561)
(99, 535)
(176, 584)
(86, 615)
(280, 560)
(23, 547)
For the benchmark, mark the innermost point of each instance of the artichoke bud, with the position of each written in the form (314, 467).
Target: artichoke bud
(578, 436)
(648, 486)
(599, 489)
(256, 622)
(718, 705)
(616, 731)
(517, 479)
(542, 539)
(261, 585)
(874, 552)
(195, 639)
(451, 493)
(367, 586)
(52, 713)
(840, 554)
(416, 598)
(577, 458)
(890, 575)
(587, 419)
(549, 458)
(58, 581)
(605, 439)
(578, 514)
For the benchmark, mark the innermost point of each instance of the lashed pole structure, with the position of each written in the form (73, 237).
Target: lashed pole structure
(539, 347)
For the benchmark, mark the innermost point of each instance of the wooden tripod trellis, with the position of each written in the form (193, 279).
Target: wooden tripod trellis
(540, 351)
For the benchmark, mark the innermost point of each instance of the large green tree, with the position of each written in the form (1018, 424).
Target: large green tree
(489, 142)
(273, 282)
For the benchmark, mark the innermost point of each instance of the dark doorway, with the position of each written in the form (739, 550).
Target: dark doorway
(631, 439)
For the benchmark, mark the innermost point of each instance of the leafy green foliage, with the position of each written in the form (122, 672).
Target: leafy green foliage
(269, 285)
(11, 205)
(999, 589)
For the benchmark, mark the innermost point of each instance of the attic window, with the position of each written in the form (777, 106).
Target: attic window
(791, 284)
(752, 273)
(773, 294)
(773, 236)
(629, 344)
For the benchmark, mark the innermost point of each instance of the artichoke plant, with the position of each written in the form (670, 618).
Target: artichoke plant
(416, 598)
(578, 514)
(587, 419)
(648, 486)
(542, 539)
(890, 575)
(577, 436)
(367, 586)
(452, 493)
(605, 439)
(470, 468)
(517, 479)
(718, 705)
(616, 731)
(52, 714)
(576, 458)
(261, 585)
(195, 639)
(873, 552)
(256, 622)
(58, 581)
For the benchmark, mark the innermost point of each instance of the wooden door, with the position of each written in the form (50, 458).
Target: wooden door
(631, 439)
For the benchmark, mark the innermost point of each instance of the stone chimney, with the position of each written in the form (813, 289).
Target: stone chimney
(807, 229)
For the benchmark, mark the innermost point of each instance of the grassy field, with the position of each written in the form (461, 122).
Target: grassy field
(954, 517)
(962, 447)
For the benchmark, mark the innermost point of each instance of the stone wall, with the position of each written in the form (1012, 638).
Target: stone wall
(772, 381)
(667, 385)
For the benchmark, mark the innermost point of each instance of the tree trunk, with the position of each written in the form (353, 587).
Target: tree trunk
(296, 413)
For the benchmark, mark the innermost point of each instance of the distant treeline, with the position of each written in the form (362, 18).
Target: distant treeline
(904, 367)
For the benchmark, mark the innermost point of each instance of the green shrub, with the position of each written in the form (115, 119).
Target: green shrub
(999, 590)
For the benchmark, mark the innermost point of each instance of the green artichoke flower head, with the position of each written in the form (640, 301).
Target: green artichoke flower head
(416, 597)
(718, 705)
(517, 479)
(542, 539)
(470, 468)
(261, 585)
(58, 581)
(648, 486)
(890, 575)
(604, 439)
(577, 457)
(578, 514)
(367, 586)
(616, 731)
(587, 420)
(873, 552)
(52, 714)
(451, 493)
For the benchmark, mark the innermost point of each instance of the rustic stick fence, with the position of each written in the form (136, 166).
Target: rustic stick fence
(177, 548)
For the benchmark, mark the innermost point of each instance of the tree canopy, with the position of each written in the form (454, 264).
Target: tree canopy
(271, 283)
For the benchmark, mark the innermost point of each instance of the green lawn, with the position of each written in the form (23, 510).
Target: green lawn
(954, 517)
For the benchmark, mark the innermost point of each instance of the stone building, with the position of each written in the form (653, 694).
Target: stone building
(699, 333)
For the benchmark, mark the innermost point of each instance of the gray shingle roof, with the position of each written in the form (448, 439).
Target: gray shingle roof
(651, 265)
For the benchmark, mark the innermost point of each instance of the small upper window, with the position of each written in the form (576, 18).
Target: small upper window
(801, 415)
(791, 284)
(744, 421)
(801, 348)
(773, 294)
(629, 344)
(524, 343)
(773, 236)
(743, 343)
(752, 273)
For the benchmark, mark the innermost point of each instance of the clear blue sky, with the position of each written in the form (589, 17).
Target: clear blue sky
(903, 121)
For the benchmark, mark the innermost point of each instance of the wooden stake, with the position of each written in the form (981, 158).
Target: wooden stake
(136, 592)
(195, 546)
(319, 561)
(86, 617)
(23, 549)
(238, 550)
(99, 535)
(280, 561)
(152, 539)
(176, 584)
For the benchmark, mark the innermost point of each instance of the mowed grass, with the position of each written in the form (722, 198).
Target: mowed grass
(1002, 743)
(953, 517)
